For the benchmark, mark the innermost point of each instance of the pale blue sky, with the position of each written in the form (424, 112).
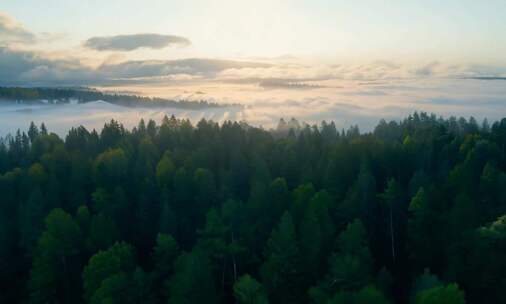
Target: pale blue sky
(460, 31)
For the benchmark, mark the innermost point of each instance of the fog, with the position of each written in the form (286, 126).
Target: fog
(346, 103)
(60, 118)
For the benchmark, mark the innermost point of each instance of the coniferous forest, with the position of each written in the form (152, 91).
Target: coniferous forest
(37, 95)
(170, 212)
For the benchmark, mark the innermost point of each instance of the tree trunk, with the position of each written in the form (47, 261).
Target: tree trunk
(234, 262)
(223, 274)
(65, 279)
(392, 234)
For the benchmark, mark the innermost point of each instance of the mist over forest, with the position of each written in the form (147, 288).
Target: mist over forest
(252, 152)
(172, 212)
(362, 105)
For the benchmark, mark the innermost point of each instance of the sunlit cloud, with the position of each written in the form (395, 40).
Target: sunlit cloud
(287, 86)
(13, 31)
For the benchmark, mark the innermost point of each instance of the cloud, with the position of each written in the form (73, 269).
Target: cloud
(482, 101)
(359, 92)
(191, 66)
(133, 42)
(427, 70)
(275, 83)
(26, 67)
(487, 78)
(13, 31)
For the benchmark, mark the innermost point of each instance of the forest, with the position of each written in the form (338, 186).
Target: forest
(169, 212)
(83, 94)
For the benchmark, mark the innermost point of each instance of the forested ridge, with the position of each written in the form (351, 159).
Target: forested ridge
(83, 95)
(413, 212)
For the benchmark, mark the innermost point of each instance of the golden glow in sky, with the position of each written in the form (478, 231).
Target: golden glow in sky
(455, 30)
(319, 59)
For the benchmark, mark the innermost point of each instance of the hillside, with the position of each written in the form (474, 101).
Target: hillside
(83, 95)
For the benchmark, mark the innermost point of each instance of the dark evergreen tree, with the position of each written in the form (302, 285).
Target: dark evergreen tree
(314, 214)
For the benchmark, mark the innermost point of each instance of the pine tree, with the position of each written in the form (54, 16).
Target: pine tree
(281, 272)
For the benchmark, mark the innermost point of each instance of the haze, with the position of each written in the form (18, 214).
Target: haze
(312, 60)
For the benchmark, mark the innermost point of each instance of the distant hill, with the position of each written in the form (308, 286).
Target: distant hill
(84, 95)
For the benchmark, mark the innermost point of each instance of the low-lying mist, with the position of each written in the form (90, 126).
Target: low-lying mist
(347, 103)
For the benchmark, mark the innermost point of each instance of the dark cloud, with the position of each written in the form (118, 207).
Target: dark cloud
(12, 31)
(473, 102)
(311, 82)
(485, 71)
(191, 66)
(133, 42)
(275, 83)
(28, 68)
(487, 78)
(427, 70)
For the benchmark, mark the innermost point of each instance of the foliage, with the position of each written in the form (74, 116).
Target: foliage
(177, 213)
(247, 290)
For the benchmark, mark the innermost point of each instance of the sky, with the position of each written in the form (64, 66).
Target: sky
(319, 59)
(456, 30)
(417, 33)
